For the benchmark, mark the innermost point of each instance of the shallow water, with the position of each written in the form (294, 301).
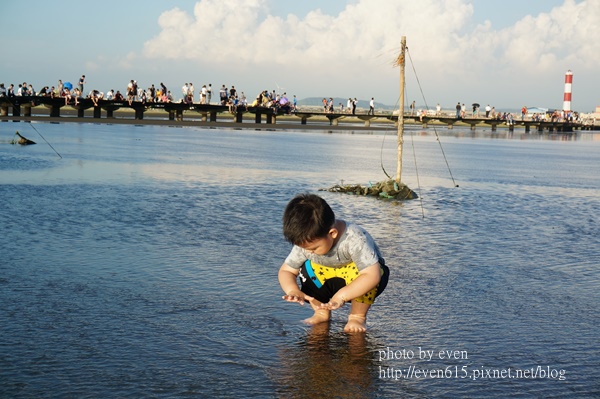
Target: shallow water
(143, 263)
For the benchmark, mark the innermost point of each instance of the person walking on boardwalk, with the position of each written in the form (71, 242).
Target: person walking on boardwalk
(458, 108)
(203, 93)
(191, 93)
(223, 95)
(184, 91)
(131, 91)
(371, 107)
(81, 82)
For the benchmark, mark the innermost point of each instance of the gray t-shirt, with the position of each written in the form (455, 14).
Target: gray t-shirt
(355, 245)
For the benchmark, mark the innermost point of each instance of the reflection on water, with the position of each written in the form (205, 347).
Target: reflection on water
(144, 262)
(326, 364)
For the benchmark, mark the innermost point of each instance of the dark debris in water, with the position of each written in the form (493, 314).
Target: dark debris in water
(21, 140)
(389, 189)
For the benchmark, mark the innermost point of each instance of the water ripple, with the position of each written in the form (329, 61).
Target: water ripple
(145, 264)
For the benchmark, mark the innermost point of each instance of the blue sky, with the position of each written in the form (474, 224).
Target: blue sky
(507, 54)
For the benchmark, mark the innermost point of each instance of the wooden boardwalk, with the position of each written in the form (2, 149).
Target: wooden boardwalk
(21, 106)
(528, 124)
(450, 122)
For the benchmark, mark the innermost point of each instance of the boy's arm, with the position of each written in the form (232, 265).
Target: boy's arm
(287, 279)
(367, 279)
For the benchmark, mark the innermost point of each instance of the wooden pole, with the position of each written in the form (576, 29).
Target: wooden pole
(401, 63)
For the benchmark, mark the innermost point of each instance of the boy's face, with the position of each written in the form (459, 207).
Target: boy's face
(322, 245)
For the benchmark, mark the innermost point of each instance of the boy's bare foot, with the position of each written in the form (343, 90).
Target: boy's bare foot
(356, 323)
(320, 316)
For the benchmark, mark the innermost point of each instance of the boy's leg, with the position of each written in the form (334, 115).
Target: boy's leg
(357, 319)
(320, 316)
(314, 283)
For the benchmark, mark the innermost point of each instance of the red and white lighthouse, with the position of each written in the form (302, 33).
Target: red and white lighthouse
(568, 87)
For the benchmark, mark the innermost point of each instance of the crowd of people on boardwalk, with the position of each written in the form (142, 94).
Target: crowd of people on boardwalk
(279, 102)
(489, 112)
(329, 108)
(509, 117)
(229, 97)
(233, 99)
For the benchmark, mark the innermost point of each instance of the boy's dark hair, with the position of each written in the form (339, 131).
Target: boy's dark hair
(307, 217)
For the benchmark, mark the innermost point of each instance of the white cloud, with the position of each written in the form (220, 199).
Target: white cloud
(568, 34)
(221, 30)
(127, 62)
(357, 46)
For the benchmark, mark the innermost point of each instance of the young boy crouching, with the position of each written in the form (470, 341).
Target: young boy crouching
(336, 262)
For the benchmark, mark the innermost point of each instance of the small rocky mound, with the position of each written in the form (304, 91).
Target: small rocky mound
(389, 189)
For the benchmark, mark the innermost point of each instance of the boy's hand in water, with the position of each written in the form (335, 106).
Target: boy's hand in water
(298, 297)
(333, 304)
